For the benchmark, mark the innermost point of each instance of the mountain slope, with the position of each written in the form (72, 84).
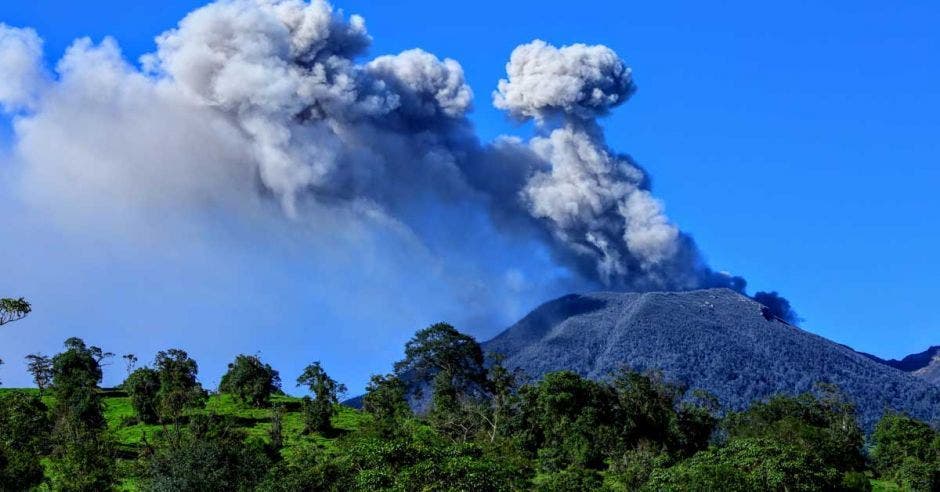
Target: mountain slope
(716, 339)
(930, 372)
(925, 365)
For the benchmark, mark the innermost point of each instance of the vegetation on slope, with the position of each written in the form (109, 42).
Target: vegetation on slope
(485, 429)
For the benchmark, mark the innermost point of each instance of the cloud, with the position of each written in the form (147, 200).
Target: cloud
(251, 102)
(23, 75)
(578, 81)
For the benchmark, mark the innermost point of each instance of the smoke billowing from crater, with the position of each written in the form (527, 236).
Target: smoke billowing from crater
(247, 100)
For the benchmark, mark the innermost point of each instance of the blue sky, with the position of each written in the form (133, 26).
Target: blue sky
(797, 143)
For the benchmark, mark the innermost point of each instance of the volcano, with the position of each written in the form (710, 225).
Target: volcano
(716, 340)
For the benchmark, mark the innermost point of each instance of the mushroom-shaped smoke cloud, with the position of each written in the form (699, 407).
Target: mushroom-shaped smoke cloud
(267, 95)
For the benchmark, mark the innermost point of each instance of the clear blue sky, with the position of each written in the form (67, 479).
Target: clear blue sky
(798, 143)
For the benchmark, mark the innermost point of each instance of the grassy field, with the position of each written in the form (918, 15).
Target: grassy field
(256, 422)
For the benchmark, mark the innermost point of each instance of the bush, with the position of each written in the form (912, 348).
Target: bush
(856, 482)
(211, 455)
(574, 479)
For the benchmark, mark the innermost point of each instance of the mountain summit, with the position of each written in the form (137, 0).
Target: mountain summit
(716, 339)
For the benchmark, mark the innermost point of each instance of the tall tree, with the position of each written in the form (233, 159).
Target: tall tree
(130, 362)
(13, 310)
(83, 455)
(75, 377)
(40, 367)
(441, 348)
(179, 388)
(320, 409)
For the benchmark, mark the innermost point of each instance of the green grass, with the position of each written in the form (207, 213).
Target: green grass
(256, 422)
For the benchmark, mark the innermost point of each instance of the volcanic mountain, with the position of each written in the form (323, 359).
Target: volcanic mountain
(717, 340)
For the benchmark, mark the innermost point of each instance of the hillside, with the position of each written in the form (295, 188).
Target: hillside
(256, 422)
(925, 365)
(716, 339)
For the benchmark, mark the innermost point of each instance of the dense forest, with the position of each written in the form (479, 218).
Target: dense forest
(486, 427)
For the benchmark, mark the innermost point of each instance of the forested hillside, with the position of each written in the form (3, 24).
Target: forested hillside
(487, 428)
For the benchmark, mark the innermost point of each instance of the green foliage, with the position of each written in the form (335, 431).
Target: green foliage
(24, 437)
(747, 464)
(179, 388)
(211, 455)
(320, 409)
(13, 310)
(83, 455)
(567, 420)
(83, 459)
(143, 387)
(856, 481)
(422, 461)
(75, 377)
(251, 381)
(826, 425)
(385, 401)
(907, 451)
(485, 431)
(573, 479)
(40, 368)
(441, 348)
(632, 469)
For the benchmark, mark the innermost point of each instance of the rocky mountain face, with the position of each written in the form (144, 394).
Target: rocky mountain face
(716, 340)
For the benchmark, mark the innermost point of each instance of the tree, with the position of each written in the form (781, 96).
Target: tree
(385, 400)
(250, 381)
(40, 367)
(320, 409)
(83, 456)
(24, 439)
(824, 425)
(907, 451)
(143, 387)
(13, 310)
(130, 361)
(276, 433)
(76, 373)
(567, 420)
(441, 348)
(179, 388)
(503, 401)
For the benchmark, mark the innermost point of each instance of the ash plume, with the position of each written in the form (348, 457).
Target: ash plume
(247, 100)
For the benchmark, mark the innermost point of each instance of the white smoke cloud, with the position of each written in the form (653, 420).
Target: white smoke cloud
(578, 80)
(251, 99)
(21, 59)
